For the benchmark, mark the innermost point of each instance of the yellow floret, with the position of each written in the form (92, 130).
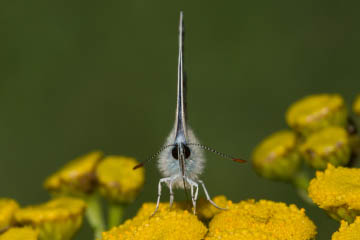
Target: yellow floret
(57, 219)
(242, 234)
(348, 231)
(25, 233)
(277, 157)
(76, 177)
(337, 190)
(118, 181)
(356, 105)
(329, 145)
(166, 224)
(7, 210)
(267, 219)
(315, 112)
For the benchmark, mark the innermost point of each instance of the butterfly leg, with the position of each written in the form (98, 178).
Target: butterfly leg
(194, 195)
(171, 190)
(162, 180)
(208, 197)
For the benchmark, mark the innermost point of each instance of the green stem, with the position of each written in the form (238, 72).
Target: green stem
(115, 217)
(94, 215)
(301, 182)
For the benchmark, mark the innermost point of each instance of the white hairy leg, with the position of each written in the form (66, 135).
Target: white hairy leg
(162, 180)
(208, 197)
(171, 190)
(194, 196)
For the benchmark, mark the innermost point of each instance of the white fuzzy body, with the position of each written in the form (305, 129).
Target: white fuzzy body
(194, 165)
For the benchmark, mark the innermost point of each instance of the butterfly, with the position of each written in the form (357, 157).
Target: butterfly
(181, 159)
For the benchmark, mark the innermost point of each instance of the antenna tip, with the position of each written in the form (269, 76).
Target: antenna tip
(138, 166)
(239, 160)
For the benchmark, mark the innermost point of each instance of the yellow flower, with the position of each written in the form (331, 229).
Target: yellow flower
(174, 224)
(348, 231)
(7, 210)
(25, 233)
(205, 210)
(315, 112)
(118, 181)
(277, 156)
(263, 219)
(76, 177)
(57, 219)
(356, 105)
(337, 190)
(329, 145)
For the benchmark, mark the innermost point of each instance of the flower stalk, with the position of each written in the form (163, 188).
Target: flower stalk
(94, 215)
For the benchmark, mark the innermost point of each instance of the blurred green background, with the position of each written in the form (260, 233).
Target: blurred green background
(82, 75)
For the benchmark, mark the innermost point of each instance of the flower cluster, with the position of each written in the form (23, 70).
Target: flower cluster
(87, 176)
(323, 136)
(319, 136)
(244, 220)
(57, 219)
(75, 189)
(321, 133)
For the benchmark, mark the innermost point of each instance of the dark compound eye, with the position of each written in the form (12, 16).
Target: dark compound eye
(186, 149)
(174, 152)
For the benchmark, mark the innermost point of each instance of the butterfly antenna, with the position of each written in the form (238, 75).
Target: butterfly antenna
(224, 155)
(151, 157)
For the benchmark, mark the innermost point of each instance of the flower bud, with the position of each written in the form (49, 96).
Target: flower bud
(329, 145)
(7, 210)
(75, 178)
(117, 179)
(316, 112)
(277, 157)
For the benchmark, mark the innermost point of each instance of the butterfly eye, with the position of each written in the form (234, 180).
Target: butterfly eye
(174, 152)
(186, 151)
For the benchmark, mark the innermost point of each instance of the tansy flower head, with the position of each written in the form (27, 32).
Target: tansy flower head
(348, 231)
(315, 112)
(7, 210)
(337, 190)
(57, 219)
(356, 105)
(166, 224)
(329, 145)
(277, 157)
(118, 181)
(76, 177)
(263, 219)
(25, 233)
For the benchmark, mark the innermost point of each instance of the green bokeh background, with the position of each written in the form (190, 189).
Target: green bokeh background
(82, 75)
